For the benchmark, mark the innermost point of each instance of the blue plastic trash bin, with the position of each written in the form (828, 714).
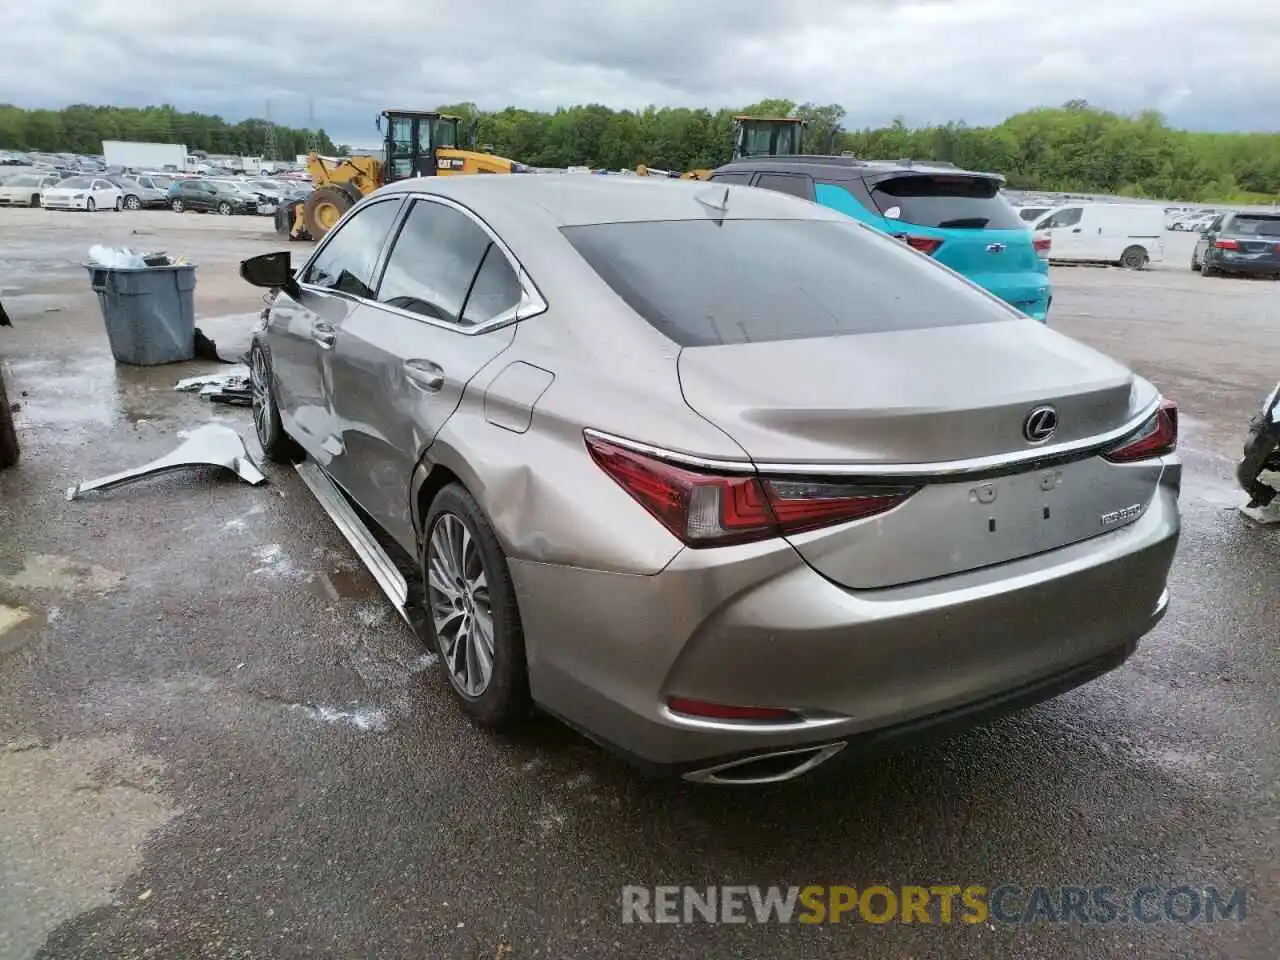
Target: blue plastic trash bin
(149, 312)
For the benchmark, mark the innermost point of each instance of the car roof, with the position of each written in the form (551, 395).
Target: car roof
(843, 167)
(571, 200)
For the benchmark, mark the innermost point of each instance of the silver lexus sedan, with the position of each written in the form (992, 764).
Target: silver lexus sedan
(724, 479)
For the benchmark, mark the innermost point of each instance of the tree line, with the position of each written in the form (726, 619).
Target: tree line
(1072, 148)
(82, 128)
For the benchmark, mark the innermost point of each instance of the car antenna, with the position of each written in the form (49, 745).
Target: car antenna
(714, 200)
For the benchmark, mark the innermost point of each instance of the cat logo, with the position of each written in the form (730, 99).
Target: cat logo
(451, 163)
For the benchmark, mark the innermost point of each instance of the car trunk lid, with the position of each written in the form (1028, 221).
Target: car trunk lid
(934, 409)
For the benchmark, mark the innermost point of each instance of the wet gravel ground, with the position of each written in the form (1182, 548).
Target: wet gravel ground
(217, 741)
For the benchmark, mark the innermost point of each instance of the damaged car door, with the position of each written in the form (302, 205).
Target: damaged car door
(446, 303)
(303, 331)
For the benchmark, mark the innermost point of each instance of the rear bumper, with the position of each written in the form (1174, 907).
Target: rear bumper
(1253, 268)
(757, 627)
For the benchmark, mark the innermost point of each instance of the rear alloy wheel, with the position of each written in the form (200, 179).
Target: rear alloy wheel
(176, 206)
(1134, 258)
(224, 208)
(472, 614)
(132, 202)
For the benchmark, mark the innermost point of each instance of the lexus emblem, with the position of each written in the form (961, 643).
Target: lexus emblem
(995, 248)
(1040, 425)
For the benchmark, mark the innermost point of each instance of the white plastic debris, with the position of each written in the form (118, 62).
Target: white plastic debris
(115, 258)
(194, 384)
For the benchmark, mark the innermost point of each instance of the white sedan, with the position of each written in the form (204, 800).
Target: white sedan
(83, 193)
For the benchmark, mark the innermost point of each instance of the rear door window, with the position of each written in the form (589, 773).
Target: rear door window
(434, 264)
(738, 177)
(797, 184)
(948, 201)
(702, 283)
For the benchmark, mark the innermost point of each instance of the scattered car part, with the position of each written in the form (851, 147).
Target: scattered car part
(1262, 455)
(9, 449)
(212, 445)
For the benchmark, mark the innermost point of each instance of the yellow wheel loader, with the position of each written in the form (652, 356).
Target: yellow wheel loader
(752, 137)
(414, 144)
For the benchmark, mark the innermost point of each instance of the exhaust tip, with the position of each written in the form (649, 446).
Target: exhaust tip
(776, 766)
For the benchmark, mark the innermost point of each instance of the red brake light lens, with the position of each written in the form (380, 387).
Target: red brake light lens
(1043, 244)
(708, 509)
(1158, 437)
(1226, 243)
(927, 245)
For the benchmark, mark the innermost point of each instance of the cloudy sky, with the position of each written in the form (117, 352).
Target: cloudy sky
(925, 60)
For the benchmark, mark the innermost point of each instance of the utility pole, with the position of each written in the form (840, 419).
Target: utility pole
(271, 149)
(313, 139)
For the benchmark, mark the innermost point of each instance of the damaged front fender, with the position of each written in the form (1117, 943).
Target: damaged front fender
(212, 445)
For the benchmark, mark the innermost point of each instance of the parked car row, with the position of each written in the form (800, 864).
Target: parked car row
(225, 195)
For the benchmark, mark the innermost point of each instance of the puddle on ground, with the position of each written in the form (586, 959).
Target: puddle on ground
(74, 827)
(64, 574)
(351, 584)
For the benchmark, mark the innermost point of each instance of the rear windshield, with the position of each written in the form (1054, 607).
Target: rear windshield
(944, 200)
(745, 281)
(1260, 225)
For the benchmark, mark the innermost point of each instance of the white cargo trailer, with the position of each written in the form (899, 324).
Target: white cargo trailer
(133, 155)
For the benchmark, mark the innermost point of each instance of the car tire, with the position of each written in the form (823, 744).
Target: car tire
(35, 200)
(224, 208)
(1207, 270)
(277, 446)
(176, 206)
(1195, 265)
(9, 449)
(466, 582)
(1134, 258)
(132, 202)
(119, 205)
(90, 206)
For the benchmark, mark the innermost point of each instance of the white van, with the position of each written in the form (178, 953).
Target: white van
(1128, 234)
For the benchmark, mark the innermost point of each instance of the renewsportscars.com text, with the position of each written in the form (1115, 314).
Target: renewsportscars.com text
(936, 904)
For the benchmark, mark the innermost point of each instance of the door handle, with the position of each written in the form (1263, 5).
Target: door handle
(1076, 230)
(324, 334)
(424, 374)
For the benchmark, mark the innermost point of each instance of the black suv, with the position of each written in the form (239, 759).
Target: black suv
(205, 197)
(1244, 242)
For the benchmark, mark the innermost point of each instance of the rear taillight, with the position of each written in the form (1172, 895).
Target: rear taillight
(927, 245)
(709, 509)
(1158, 436)
(1226, 243)
(1043, 244)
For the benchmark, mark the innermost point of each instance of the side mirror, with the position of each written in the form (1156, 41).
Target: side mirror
(273, 271)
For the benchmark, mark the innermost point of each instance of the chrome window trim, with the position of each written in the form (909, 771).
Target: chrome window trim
(531, 304)
(941, 470)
